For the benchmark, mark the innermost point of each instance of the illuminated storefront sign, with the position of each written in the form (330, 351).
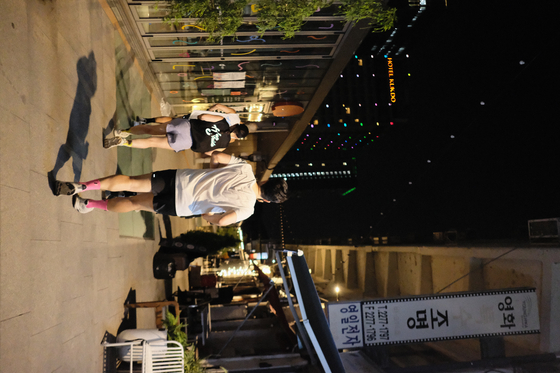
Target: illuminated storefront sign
(434, 317)
(391, 80)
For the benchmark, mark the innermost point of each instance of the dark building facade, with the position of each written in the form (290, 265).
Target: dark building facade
(369, 98)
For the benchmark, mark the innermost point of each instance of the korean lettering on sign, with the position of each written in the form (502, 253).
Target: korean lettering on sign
(509, 318)
(376, 322)
(422, 322)
(352, 325)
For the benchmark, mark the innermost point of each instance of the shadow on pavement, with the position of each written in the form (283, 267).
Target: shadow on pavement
(76, 146)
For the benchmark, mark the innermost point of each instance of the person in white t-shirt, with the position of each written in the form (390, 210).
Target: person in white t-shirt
(224, 194)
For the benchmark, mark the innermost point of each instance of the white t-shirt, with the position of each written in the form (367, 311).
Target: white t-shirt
(216, 190)
(232, 119)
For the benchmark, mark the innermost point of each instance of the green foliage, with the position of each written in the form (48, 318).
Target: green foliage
(382, 18)
(286, 15)
(175, 330)
(229, 231)
(220, 18)
(175, 333)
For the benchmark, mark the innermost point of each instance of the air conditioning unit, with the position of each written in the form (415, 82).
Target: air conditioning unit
(544, 230)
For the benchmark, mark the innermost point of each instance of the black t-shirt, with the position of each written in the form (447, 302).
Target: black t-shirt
(208, 136)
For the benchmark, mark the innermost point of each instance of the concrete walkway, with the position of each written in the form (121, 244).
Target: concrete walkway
(64, 276)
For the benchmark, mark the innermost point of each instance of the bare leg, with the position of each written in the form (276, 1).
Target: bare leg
(117, 183)
(163, 119)
(140, 202)
(148, 129)
(150, 142)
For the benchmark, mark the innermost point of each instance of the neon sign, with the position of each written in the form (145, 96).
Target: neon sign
(391, 80)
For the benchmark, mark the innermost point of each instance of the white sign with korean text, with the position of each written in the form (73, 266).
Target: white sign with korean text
(229, 76)
(434, 317)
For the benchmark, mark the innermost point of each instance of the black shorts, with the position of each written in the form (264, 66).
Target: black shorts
(163, 188)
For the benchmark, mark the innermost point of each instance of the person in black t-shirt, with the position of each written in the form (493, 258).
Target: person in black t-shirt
(205, 134)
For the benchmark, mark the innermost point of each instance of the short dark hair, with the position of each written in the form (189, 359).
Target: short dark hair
(241, 131)
(275, 190)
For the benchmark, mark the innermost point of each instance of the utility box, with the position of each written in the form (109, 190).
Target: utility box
(544, 230)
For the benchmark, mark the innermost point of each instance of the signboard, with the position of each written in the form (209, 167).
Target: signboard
(391, 80)
(434, 317)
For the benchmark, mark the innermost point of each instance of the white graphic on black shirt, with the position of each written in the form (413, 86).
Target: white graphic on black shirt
(214, 133)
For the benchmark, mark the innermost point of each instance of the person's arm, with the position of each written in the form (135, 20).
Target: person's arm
(219, 159)
(209, 153)
(225, 109)
(210, 118)
(222, 219)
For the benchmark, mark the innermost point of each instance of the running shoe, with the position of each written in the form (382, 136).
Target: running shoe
(139, 121)
(121, 133)
(112, 142)
(80, 204)
(66, 188)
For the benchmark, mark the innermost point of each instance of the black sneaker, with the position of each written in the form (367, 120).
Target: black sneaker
(114, 141)
(139, 121)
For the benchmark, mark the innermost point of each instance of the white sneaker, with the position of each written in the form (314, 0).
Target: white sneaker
(121, 133)
(80, 204)
(67, 188)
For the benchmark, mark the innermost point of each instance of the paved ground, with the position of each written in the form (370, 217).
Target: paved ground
(66, 77)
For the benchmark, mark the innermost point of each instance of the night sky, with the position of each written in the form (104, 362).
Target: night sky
(492, 166)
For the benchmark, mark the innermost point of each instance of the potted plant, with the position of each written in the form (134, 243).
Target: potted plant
(175, 333)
